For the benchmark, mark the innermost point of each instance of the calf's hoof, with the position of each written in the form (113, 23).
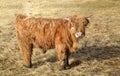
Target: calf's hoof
(65, 67)
(44, 51)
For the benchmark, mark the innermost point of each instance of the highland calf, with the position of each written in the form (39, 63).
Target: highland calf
(61, 34)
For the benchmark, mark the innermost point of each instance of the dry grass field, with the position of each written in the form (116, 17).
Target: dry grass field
(99, 53)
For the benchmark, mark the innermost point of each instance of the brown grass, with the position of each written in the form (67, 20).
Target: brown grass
(100, 49)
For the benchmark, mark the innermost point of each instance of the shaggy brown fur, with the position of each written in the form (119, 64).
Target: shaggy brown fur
(48, 33)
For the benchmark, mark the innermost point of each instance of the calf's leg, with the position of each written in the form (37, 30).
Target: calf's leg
(62, 56)
(67, 59)
(26, 51)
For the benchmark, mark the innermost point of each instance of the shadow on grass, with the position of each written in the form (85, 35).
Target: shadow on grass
(87, 54)
(37, 64)
(95, 53)
(50, 59)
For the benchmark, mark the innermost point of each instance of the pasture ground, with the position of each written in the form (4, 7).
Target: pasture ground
(99, 53)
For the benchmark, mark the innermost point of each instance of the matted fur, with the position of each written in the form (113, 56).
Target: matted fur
(48, 33)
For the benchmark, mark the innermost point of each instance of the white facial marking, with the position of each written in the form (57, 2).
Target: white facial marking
(72, 28)
(78, 34)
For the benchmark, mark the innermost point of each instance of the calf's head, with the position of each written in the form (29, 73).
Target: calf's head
(78, 25)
